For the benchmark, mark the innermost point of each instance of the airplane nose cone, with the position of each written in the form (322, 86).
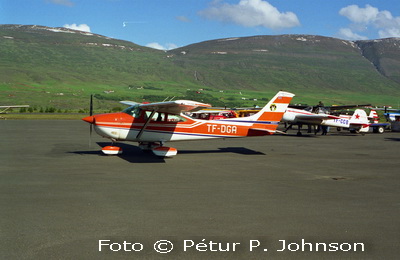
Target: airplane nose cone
(89, 119)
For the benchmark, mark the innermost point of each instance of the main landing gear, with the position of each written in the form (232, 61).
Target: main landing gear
(158, 149)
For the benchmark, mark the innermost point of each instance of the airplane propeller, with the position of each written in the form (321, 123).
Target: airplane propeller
(91, 105)
(91, 114)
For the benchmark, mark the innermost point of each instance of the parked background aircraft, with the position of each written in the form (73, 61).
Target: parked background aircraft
(358, 122)
(3, 109)
(393, 117)
(151, 125)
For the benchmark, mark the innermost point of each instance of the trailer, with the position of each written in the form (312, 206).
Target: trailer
(379, 127)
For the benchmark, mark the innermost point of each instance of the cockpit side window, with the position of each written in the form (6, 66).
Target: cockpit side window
(157, 116)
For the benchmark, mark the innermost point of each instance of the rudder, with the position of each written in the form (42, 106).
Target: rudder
(268, 118)
(275, 108)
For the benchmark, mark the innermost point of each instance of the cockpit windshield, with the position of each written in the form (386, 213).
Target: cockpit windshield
(309, 109)
(321, 110)
(317, 110)
(132, 111)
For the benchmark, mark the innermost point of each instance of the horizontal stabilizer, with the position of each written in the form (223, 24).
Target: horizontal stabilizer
(260, 131)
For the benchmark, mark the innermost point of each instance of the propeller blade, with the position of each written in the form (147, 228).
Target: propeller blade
(91, 105)
(91, 125)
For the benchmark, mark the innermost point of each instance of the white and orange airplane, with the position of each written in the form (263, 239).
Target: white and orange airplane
(151, 125)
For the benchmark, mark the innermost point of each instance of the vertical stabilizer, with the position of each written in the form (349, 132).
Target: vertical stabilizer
(373, 115)
(359, 117)
(274, 109)
(359, 121)
(268, 118)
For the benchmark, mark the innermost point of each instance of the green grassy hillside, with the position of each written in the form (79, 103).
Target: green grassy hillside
(60, 68)
(312, 67)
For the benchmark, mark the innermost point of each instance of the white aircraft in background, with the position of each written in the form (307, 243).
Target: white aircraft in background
(3, 109)
(358, 122)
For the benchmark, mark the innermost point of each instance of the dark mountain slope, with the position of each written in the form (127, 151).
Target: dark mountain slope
(385, 55)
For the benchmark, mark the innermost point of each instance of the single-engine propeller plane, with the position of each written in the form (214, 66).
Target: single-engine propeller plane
(154, 124)
(358, 122)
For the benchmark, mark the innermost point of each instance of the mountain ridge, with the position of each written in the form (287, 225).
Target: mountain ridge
(59, 60)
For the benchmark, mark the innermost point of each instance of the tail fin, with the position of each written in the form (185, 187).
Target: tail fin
(374, 116)
(359, 121)
(359, 117)
(267, 119)
(274, 109)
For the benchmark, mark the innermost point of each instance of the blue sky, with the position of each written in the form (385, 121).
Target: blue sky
(167, 24)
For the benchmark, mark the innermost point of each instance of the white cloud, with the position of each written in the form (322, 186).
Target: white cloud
(80, 27)
(183, 19)
(359, 15)
(251, 13)
(381, 21)
(389, 33)
(166, 47)
(348, 34)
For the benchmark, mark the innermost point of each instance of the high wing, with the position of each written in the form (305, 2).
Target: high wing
(334, 107)
(14, 106)
(316, 117)
(129, 103)
(171, 107)
(3, 109)
(331, 108)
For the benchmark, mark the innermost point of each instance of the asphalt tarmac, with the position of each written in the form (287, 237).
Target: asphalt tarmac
(270, 197)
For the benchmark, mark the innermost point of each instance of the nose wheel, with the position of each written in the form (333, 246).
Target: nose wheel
(112, 149)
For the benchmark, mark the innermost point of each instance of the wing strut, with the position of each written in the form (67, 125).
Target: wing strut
(145, 125)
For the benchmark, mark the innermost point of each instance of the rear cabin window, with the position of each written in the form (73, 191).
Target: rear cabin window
(176, 118)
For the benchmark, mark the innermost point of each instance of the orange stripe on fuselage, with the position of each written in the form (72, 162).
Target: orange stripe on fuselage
(271, 116)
